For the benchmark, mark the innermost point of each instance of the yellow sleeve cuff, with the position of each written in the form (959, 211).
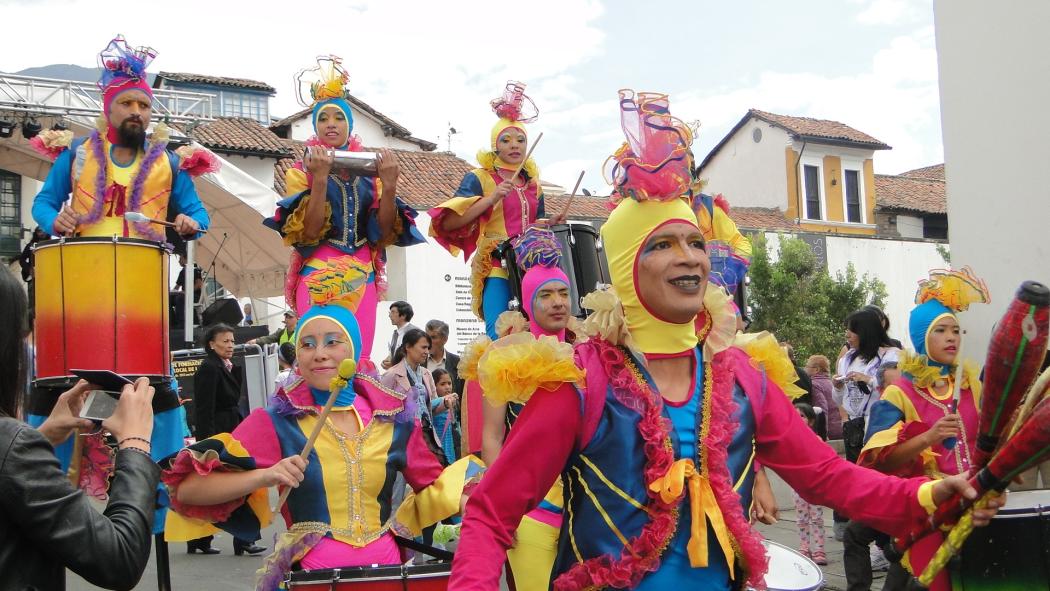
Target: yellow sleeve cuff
(441, 499)
(295, 226)
(926, 496)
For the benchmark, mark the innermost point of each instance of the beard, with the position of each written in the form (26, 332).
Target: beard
(131, 134)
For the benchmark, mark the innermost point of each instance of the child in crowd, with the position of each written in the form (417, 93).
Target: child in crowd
(810, 517)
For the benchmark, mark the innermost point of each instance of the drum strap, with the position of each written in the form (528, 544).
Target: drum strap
(424, 548)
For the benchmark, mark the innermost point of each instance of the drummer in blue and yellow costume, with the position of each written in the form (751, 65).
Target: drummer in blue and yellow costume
(115, 170)
(339, 223)
(655, 442)
(492, 204)
(339, 513)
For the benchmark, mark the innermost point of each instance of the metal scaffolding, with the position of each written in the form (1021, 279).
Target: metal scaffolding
(69, 98)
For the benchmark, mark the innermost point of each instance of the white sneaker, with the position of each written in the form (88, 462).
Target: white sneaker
(878, 560)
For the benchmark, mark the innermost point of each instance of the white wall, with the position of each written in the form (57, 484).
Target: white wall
(994, 119)
(365, 126)
(436, 284)
(750, 174)
(909, 226)
(260, 169)
(899, 264)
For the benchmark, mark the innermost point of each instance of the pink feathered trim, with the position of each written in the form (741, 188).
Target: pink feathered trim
(49, 152)
(199, 161)
(722, 203)
(182, 466)
(642, 554)
(291, 280)
(721, 428)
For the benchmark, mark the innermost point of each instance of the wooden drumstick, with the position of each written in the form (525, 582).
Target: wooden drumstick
(527, 156)
(134, 216)
(565, 210)
(347, 368)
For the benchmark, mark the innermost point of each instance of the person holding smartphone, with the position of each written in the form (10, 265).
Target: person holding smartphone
(46, 524)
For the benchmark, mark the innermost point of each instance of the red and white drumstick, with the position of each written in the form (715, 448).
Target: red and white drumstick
(134, 216)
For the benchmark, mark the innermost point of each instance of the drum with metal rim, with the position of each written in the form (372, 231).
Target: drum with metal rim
(101, 303)
(582, 260)
(1012, 552)
(791, 571)
(422, 577)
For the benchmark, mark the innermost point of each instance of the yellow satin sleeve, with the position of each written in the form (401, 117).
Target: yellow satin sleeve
(440, 500)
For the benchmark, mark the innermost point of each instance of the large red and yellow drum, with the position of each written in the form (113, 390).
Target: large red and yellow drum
(101, 303)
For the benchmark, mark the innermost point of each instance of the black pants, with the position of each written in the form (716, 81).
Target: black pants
(856, 560)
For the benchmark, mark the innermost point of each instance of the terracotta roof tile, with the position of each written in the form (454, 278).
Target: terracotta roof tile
(239, 135)
(910, 194)
(933, 173)
(807, 127)
(429, 178)
(214, 80)
(760, 218)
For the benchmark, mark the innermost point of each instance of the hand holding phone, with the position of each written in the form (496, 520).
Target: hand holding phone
(105, 392)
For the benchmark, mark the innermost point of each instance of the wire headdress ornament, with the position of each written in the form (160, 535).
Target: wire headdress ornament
(515, 104)
(119, 61)
(327, 80)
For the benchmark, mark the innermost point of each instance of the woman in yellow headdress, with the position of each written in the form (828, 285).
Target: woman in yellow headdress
(493, 204)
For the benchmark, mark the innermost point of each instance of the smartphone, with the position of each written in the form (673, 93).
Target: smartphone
(101, 403)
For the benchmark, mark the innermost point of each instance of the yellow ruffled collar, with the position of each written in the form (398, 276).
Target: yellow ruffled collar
(924, 375)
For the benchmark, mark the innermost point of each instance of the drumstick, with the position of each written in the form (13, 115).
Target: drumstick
(134, 216)
(527, 155)
(565, 210)
(347, 368)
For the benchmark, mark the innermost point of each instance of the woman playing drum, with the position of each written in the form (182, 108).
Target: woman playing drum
(493, 204)
(339, 510)
(337, 221)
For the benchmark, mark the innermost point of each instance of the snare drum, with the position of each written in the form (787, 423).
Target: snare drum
(791, 571)
(101, 303)
(582, 260)
(423, 577)
(1012, 552)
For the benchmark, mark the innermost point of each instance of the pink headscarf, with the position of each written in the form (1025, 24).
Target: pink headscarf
(534, 279)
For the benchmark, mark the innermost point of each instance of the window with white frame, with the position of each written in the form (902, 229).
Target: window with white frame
(252, 106)
(10, 213)
(811, 191)
(851, 193)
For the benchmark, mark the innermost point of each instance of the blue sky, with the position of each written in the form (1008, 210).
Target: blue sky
(868, 63)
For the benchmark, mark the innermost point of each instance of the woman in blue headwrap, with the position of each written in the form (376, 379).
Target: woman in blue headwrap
(338, 222)
(339, 512)
(925, 424)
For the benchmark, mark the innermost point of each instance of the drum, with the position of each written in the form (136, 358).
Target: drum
(101, 303)
(1012, 552)
(582, 260)
(423, 577)
(791, 571)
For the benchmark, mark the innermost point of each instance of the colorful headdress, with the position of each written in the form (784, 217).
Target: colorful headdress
(327, 89)
(652, 173)
(514, 109)
(654, 163)
(946, 292)
(538, 254)
(123, 68)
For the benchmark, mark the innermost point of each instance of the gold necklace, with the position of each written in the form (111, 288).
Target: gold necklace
(961, 440)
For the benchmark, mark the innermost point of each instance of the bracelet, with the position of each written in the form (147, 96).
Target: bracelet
(146, 441)
(138, 450)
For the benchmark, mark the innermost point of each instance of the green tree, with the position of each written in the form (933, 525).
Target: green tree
(796, 299)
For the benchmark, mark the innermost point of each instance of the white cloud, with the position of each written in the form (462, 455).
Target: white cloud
(892, 12)
(895, 99)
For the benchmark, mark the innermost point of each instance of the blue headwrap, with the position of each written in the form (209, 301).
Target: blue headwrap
(345, 319)
(339, 103)
(923, 317)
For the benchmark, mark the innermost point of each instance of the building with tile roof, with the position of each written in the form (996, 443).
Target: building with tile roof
(818, 172)
(913, 204)
(233, 97)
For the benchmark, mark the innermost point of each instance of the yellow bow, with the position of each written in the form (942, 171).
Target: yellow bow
(702, 506)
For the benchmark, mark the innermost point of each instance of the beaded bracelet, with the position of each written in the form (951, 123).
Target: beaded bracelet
(146, 441)
(138, 450)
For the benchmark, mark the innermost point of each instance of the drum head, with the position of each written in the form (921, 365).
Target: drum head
(791, 571)
(1024, 503)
